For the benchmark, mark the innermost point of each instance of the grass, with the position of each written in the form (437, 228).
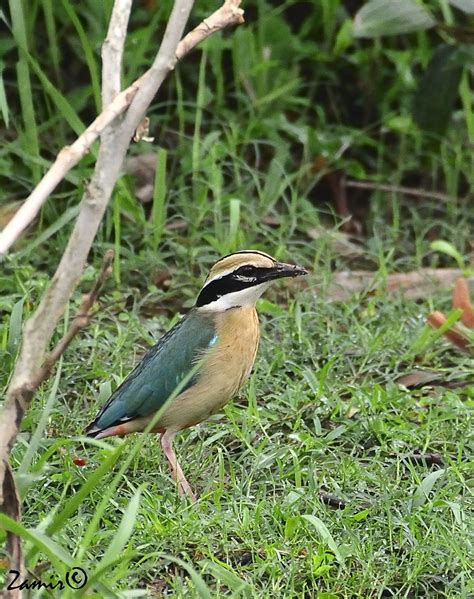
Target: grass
(321, 412)
(238, 137)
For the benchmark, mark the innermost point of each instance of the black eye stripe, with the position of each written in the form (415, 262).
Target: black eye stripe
(219, 287)
(230, 283)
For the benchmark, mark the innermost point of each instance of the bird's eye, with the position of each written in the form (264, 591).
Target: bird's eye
(247, 271)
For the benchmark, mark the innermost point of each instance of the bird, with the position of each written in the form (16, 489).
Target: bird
(210, 353)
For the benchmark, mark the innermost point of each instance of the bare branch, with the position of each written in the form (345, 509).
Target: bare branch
(164, 63)
(226, 15)
(112, 51)
(81, 320)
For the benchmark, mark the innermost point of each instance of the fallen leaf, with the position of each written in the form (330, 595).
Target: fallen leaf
(418, 378)
(454, 334)
(142, 168)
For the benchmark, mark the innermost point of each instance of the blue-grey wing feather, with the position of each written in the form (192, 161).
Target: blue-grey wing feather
(163, 367)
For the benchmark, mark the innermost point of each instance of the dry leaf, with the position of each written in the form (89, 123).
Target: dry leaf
(454, 334)
(142, 169)
(462, 300)
(418, 378)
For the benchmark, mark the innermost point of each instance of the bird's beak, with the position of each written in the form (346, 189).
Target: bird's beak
(281, 270)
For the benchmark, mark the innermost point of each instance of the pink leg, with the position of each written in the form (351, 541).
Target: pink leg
(176, 472)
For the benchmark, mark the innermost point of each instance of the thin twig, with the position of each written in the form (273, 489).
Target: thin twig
(332, 500)
(227, 15)
(81, 320)
(409, 191)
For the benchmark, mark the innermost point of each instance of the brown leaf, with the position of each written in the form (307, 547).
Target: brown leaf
(418, 378)
(454, 334)
(462, 300)
(142, 168)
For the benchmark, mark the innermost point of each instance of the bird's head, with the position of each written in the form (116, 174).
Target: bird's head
(239, 279)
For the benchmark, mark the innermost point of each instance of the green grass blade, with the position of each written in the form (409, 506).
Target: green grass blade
(159, 198)
(224, 574)
(3, 98)
(88, 53)
(14, 328)
(74, 502)
(42, 424)
(325, 535)
(30, 133)
(202, 589)
(40, 541)
(124, 531)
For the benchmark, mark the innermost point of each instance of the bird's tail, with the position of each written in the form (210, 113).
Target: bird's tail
(92, 430)
(96, 432)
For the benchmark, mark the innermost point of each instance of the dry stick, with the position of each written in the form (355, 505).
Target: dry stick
(11, 502)
(228, 14)
(14, 548)
(409, 191)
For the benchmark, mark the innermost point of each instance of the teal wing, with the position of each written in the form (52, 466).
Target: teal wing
(162, 369)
